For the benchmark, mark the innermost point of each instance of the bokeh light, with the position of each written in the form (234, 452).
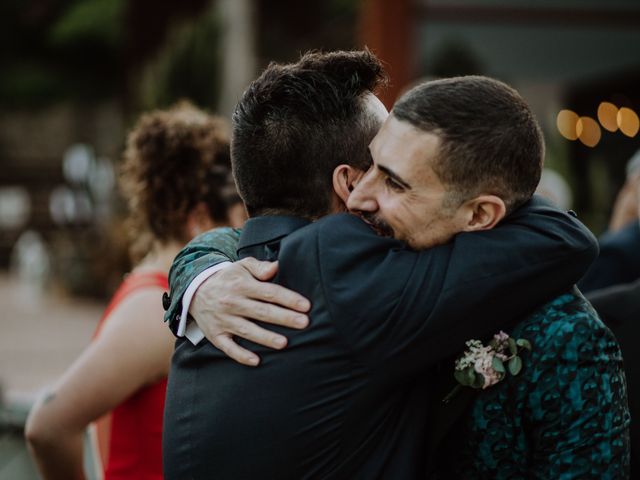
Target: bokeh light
(607, 115)
(588, 131)
(15, 207)
(567, 122)
(77, 163)
(628, 122)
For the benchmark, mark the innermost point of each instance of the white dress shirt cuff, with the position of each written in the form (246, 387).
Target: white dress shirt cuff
(192, 331)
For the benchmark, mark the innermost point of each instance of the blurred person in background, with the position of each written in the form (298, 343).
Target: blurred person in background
(626, 207)
(619, 307)
(619, 259)
(175, 174)
(235, 207)
(618, 303)
(554, 187)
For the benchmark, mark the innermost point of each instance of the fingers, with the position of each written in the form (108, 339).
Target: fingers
(250, 331)
(242, 280)
(226, 344)
(228, 303)
(277, 295)
(260, 270)
(268, 313)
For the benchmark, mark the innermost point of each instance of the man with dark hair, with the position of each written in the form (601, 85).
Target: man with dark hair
(483, 151)
(492, 144)
(565, 415)
(349, 397)
(619, 259)
(277, 123)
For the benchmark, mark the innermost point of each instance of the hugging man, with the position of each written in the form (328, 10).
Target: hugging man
(451, 176)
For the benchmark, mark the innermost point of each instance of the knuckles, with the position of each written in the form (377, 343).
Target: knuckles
(226, 300)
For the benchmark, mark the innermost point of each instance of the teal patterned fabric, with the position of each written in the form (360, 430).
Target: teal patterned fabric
(204, 251)
(565, 416)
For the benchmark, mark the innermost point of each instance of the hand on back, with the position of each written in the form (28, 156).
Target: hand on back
(230, 303)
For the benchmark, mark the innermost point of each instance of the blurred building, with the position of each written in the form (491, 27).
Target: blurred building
(570, 55)
(77, 73)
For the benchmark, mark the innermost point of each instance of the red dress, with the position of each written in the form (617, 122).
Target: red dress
(135, 442)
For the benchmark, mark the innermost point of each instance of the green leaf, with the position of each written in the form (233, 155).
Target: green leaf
(461, 377)
(465, 377)
(101, 20)
(470, 376)
(478, 382)
(521, 342)
(497, 365)
(515, 365)
(512, 346)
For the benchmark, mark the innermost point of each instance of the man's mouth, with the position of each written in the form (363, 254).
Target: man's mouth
(381, 227)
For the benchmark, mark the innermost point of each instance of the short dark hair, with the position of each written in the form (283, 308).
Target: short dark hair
(490, 140)
(295, 123)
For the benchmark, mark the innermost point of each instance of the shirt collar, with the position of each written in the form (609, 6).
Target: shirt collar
(267, 229)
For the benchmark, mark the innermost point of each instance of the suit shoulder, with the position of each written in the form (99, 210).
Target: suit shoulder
(341, 229)
(626, 238)
(568, 327)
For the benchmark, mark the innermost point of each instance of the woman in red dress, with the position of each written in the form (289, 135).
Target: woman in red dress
(176, 167)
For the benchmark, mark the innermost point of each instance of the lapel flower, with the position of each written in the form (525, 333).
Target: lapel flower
(483, 366)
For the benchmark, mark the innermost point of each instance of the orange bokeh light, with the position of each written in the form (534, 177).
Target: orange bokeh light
(567, 122)
(588, 131)
(628, 122)
(607, 115)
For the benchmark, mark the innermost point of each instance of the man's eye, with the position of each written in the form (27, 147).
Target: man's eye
(393, 185)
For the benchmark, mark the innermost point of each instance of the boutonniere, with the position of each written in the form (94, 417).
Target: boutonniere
(482, 366)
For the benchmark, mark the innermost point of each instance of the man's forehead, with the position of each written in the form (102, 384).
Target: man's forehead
(399, 144)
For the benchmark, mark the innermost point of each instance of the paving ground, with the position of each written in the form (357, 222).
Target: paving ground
(41, 333)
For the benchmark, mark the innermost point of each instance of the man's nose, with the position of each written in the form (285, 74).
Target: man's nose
(362, 198)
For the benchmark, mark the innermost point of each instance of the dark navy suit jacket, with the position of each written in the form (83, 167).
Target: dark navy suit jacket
(619, 307)
(348, 398)
(618, 262)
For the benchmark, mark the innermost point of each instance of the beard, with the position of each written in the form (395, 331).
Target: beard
(381, 227)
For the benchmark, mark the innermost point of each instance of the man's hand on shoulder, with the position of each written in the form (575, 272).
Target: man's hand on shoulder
(229, 303)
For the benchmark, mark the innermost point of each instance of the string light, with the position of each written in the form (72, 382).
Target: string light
(588, 131)
(567, 122)
(628, 122)
(607, 115)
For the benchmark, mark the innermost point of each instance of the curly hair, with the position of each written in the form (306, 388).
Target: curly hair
(174, 160)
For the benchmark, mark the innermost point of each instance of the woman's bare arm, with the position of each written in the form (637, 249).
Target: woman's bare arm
(133, 349)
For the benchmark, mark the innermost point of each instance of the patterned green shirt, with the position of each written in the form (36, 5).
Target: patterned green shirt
(204, 251)
(565, 416)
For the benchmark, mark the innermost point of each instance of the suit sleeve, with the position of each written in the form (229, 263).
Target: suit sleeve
(406, 309)
(605, 271)
(618, 261)
(204, 251)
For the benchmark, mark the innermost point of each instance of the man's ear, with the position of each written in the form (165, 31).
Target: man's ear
(483, 213)
(345, 178)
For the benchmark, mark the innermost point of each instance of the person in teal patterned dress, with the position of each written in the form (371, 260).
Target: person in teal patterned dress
(564, 416)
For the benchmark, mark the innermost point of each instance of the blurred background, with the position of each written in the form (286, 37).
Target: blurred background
(75, 74)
